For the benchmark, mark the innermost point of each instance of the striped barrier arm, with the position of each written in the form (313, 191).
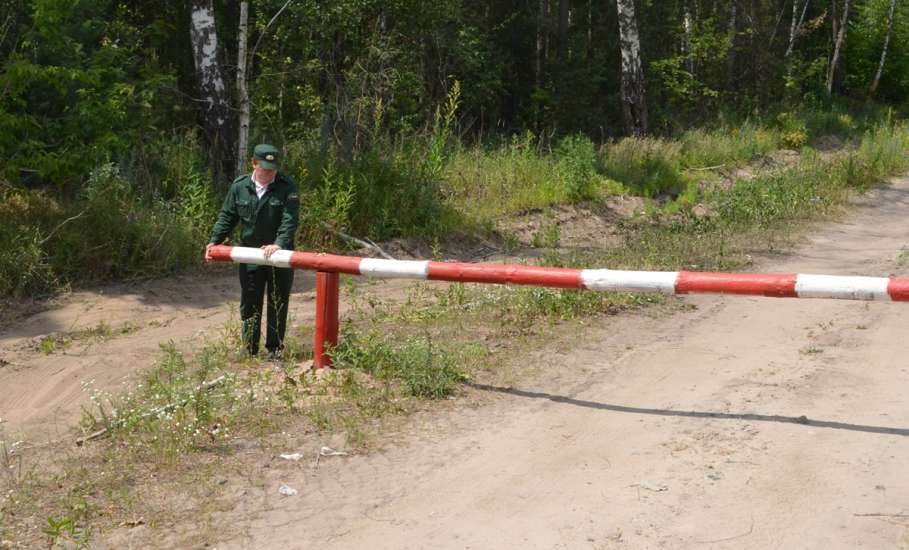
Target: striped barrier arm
(328, 266)
(784, 285)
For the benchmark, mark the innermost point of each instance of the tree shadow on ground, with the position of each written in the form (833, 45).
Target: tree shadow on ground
(802, 420)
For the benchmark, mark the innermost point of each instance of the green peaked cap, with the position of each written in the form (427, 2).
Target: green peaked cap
(267, 155)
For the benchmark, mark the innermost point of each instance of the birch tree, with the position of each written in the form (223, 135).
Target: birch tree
(244, 66)
(242, 89)
(211, 86)
(796, 25)
(880, 67)
(634, 106)
(686, 40)
(838, 45)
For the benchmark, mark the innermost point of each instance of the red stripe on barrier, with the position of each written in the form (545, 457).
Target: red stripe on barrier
(220, 253)
(556, 277)
(756, 284)
(898, 289)
(330, 263)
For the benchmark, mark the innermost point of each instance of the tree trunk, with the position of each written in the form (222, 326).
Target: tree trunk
(242, 90)
(792, 26)
(793, 31)
(588, 54)
(733, 31)
(538, 51)
(211, 86)
(838, 47)
(686, 40)
(880, 67)
(634, 106)
(564, 21)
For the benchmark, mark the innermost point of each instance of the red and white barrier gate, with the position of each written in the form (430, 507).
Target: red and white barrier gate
(327, 266)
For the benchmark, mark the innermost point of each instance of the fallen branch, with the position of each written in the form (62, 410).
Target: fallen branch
(705, 168)
(364, 243)
(64, 222)
(154, 412)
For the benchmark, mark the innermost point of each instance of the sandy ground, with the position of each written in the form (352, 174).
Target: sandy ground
(743, 423)
(740, 423)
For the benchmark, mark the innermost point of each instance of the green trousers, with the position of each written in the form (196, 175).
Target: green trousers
(257, 281)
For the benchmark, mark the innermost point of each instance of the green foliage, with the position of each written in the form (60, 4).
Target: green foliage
(576, 164)
(75, 91)
(109, 231)
(647, 165)
(380, 194)
(726, 145)
(422, 370)
(793, 131)
(548, 236)
(863, 50)
(443, 124)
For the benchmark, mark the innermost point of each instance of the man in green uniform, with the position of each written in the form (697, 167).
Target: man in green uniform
(266, 204)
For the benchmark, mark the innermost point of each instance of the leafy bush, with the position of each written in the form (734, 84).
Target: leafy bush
(106, 232)
(380, 194)
(793, 131)
(576, 163)
(649, 166)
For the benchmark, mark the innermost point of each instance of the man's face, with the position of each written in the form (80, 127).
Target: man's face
(263, 176)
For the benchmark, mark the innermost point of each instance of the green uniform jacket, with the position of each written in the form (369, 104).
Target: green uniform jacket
(271, 220)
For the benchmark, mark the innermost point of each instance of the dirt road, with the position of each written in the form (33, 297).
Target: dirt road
(740, 423)
(744, 423)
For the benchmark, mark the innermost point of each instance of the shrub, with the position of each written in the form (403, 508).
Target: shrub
(576, 159)
(793, 131)
(649, 166)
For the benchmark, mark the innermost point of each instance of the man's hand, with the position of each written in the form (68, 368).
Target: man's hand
(208, 252)
(270, 249)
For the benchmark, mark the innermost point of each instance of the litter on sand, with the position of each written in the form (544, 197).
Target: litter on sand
(287, 490)
(292, 456)
(328, 451)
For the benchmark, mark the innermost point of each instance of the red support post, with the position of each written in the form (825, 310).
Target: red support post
(326, 335)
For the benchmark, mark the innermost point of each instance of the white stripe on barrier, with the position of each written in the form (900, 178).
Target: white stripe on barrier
(281, 258)
(848, 288)
(246, 255)
(396, 269)
(630, 281)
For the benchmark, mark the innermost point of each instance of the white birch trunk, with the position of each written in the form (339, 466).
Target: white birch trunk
(794, 30)
(838, 48)
(634, 105)
(792, 26)
(880, 66)
(211, 85)
(686, 41)
(242, 90)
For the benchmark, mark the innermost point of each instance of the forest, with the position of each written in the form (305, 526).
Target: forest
(121, 123)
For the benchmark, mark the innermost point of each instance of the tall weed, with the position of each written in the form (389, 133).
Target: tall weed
(649, 166)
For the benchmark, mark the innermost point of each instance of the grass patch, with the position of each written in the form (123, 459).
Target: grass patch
(61, 341)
